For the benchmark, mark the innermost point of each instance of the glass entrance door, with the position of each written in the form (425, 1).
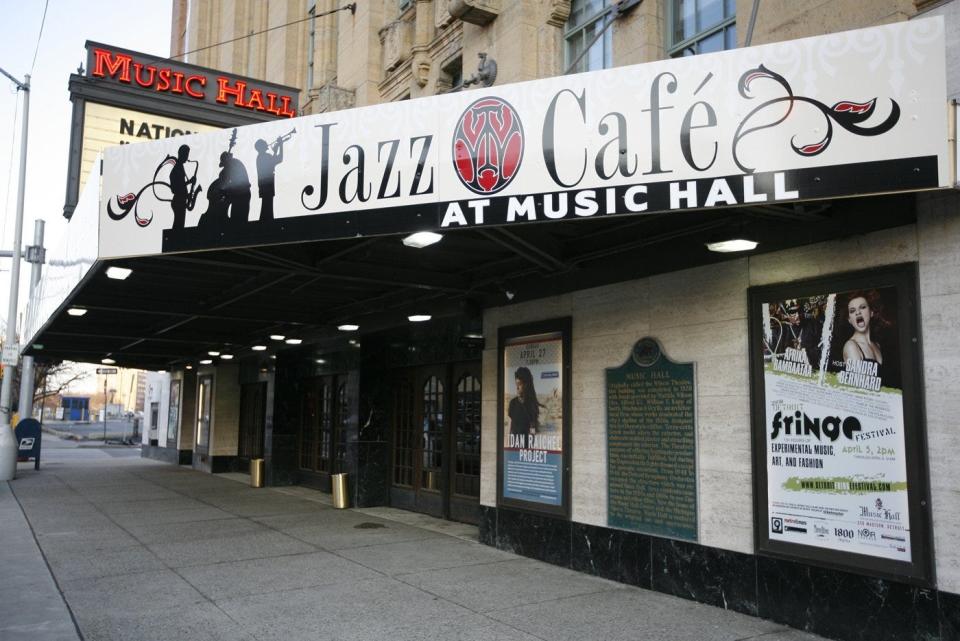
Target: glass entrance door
(323, 413)
(204, 413)
(436, 441)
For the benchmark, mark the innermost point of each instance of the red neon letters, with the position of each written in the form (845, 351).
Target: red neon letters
(122, 68)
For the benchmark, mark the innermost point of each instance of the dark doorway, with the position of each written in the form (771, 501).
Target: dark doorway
(253, 414)
(436, 441)
(323, 414)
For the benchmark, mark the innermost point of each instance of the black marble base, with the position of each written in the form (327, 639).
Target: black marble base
(612, 554)
(165, 454)
(221, 464)
(281, 464)
(316, 481)
(488, 525)
(838, 605)
(949, 616)
(708, 575)
(539, 537)
(373, 474)
(844, 606)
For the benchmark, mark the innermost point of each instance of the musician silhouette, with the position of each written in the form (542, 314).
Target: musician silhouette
(235, 186)
(180, 186)
(266, 168)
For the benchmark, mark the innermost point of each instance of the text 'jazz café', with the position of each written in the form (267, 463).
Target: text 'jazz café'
(688, 325)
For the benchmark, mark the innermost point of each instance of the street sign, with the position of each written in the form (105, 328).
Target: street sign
(10, 355)
(102, 370)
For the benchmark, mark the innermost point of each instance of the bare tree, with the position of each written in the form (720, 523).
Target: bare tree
(49, 380)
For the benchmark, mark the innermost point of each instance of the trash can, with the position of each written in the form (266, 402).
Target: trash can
(338, 483)
(256, 472)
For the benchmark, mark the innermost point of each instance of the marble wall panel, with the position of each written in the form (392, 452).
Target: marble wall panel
(885, 247)
(726, 510)
(699, 296)
(723, 433)
(938, 232)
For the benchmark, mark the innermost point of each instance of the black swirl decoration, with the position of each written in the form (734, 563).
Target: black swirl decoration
(848, 114)
(131, 201)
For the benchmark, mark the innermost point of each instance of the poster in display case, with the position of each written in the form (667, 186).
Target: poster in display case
(533, 423)
(838, 434)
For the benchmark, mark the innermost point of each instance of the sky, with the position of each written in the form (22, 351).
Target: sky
(141, 26)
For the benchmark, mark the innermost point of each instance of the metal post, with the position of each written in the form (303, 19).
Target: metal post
(8, 442)
(26, 364)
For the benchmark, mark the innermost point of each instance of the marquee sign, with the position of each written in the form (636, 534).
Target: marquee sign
(846, 114)
(126, 96)
(104, 126)
(167, 77)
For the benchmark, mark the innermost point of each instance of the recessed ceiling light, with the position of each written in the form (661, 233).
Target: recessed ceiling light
(76, 311)
(37, 346)
(348, 327)
(118, 273)
(206, 361)
(474, 335)
(419, 318)
(189, 366)
(226, 357)
(321, 361)
(273, 356)
(422, 239)
(107, 361)
(293, 341)
(732, 245)
(259, 348)
(353, 341)
(277, 337)
(213, 353)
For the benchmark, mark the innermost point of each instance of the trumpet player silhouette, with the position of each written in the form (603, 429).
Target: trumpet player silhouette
(266, 172)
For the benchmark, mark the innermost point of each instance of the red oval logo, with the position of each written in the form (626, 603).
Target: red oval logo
(488, 145)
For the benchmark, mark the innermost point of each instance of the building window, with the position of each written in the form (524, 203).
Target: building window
(311, 44)
(451, 76)
(587, 19)
(701, 26)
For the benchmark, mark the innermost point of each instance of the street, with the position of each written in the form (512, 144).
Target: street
(91, 430)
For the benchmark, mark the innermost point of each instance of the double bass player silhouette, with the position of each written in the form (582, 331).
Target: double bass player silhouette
(229, 194)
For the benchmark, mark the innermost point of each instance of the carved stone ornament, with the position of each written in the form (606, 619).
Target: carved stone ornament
(396, 39)
(559, 12)
(478, 12)
(330, 97)
(421, 70)
(441, 16)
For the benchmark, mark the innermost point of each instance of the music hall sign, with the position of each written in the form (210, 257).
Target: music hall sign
(846, 114)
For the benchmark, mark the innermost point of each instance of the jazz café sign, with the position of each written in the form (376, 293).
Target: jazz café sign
(760, 125)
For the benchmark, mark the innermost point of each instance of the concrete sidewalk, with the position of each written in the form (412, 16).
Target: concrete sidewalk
(144, 550)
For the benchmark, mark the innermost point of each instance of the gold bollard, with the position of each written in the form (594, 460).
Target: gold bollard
(338, 485)
(256, 472)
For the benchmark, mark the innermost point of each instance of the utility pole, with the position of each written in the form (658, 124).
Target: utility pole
(11, 350)
(35, 256)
